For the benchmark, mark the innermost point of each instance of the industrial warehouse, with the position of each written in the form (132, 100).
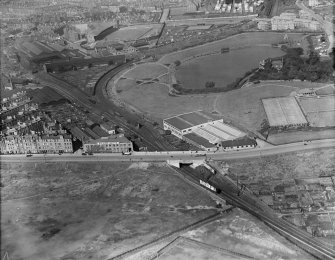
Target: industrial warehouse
(204, 131)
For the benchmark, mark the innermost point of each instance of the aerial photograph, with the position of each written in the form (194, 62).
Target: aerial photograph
(167, 129)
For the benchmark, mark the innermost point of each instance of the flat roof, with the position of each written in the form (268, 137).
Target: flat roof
(199, 140)
(110, 139)
(191, 119)
(178, 123)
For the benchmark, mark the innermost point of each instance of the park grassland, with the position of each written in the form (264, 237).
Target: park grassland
(90, 210)
(233, 42)
(153, 99)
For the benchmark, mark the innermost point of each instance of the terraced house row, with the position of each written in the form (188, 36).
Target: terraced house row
(36, 144)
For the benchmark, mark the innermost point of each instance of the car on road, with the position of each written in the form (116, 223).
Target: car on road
(29, 155)
(84, 154)
(200, 154)
(126, 153)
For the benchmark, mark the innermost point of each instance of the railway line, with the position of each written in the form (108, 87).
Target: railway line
(247, 202)
(104, 107)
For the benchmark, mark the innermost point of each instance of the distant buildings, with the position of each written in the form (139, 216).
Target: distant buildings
(289, 21)
(264, 25)
(313, 2)
(283, 22)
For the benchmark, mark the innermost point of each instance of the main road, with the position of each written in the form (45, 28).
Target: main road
(173, 155)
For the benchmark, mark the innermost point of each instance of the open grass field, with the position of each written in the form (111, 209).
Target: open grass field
(299, 136)
(320, 111)
(224, 68)
(92, 211)
(146, 71)
(283, 111)
(154, 99)
(236, 41)
(244, 106)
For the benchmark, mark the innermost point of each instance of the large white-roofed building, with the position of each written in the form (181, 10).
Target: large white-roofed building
(201, 129)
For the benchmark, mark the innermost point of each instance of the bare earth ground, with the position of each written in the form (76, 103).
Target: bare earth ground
(241, 232)
(309, 164)
(236, 236)
(94, 211)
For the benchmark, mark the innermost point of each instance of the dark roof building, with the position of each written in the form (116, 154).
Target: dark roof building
(199, 142)
(100, 132)
(79, 134)
(89, 132)
(240, 143)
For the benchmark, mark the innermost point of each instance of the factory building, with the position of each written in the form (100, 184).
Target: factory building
(111, 144)
(201, 129)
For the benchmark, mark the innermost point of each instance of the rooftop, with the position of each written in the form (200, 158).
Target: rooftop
(239, 142)
(199, 140)
(191, 119)
(110, 139)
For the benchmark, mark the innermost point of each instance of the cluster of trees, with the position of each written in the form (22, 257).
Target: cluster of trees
(295, 66)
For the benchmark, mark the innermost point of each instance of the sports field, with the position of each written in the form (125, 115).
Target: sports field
(320, 111)
(283, 111)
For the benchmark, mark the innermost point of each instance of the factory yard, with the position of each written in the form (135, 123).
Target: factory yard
(92, 211)
(320, 110)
